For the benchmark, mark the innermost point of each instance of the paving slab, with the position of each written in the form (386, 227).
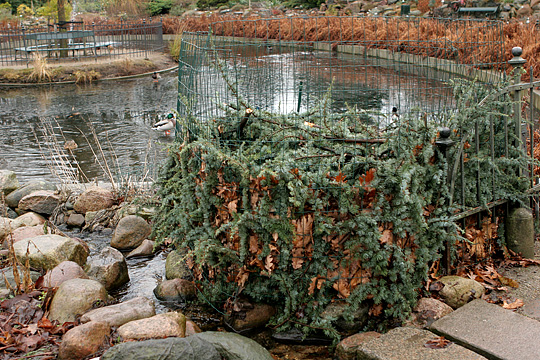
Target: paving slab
(409, 343)
(492, 331)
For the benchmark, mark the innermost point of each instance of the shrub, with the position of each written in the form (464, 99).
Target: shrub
(157, 7)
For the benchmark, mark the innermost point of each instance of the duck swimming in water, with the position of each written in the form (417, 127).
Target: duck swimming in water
(165, 125)
(156, 76)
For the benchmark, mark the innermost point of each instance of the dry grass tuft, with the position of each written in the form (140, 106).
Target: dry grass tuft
(41, 70)
(127, 66)
(86, 77)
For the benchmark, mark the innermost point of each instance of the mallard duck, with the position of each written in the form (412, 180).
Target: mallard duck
(165, 125)
(156, 76)
(395, 116)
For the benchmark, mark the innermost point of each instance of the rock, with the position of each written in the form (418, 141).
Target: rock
(83, 340)
(144, 212)
(145, 249)
(75, 220)
(27, 232)
(130, 232)
(175, 290)
(192, 328)
(64, 271)
(6, 211)
(28, 219)
(41, 202)
(257, 316)
(12, 200)
(155, 327)
(427, 311)
(337, 309)
(8, 181)
(297, 337)
(47, 251)
(122, 313)
(90, 216)
(354, 8)
(4, 293)
(235, 347)
(109, 268)
(190, 348)
(534, 3)
(5, 227)
(524, 11)
(94, 199)
(346, 349)
(175, 267)
(74, 297)
(8, 274)
(458, 291)
(415, 13)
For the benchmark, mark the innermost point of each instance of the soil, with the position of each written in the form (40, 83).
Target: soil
(88, 71)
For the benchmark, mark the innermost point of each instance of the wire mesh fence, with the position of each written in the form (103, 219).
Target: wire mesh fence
(79, 41)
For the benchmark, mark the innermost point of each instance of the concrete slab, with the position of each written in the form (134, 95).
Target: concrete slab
(408, 343)
(532, 309)
(492, 331)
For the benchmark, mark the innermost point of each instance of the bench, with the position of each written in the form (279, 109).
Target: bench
(492, 11)
(56, 44)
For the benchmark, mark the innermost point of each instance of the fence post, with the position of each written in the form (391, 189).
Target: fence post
(144, 29)
(517, 63)
(24, 43)
(94, 38)
(443, 144)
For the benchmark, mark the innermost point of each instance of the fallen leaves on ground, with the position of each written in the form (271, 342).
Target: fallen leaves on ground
(438, 343)
(513, 305)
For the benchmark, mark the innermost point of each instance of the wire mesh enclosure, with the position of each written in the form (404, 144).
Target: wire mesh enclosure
(308, 156)
(77, 41)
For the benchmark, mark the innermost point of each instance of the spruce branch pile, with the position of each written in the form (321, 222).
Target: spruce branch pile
(301, 210)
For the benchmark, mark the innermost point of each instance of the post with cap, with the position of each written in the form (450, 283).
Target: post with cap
(517, 63)
(443, 144)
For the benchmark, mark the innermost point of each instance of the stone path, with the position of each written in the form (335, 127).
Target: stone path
(479, 330)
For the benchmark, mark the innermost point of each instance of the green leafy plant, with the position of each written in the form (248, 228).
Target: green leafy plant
(157, 7)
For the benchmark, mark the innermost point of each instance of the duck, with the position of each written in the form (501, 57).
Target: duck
(395, 116)
(156, 76)
(165, 125)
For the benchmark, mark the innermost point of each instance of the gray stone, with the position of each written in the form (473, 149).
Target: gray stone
(347, 348)
(8, 181)
(4, 294)
(109, 268)
(94, 199)
(41, 202)
(74, 297)
(491, 330)
(409, 343)
(458, 291)
(175, 267)
(520, 232)
(83, 340)
(337, 309)
(14, 197)
(256, 316)
(28, 219)
(427, 311)
(532, 309)
(47, 251)
(8, 273)
(235, 347)
(144, 212)
(155, 327)
(175, 290)
(120, 314)
(75, 220)
(64, 271)
(130, 232)
(145, 249)
(90, 216)
(5, 227)
(191, 348)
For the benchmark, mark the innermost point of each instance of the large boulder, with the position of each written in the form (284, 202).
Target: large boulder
(28, 219)
(122, 313)
(94, 199)
(155, 327)
(41, 202)
(130, 232)
(145, 249)
(190, 348)
(457, 290)
(47, 251)
(14, 197)
(175, 290)
(63, 272)
(235, 347)
(74, 297)
(8, 181)
(26, 232)
(83, 340)
(254, 317)
(175, 266)
(109, 268)
(346, 349)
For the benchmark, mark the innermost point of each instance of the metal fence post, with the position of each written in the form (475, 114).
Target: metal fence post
(24, 43)
(517, 63)
(443, 144)
(144, 34)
